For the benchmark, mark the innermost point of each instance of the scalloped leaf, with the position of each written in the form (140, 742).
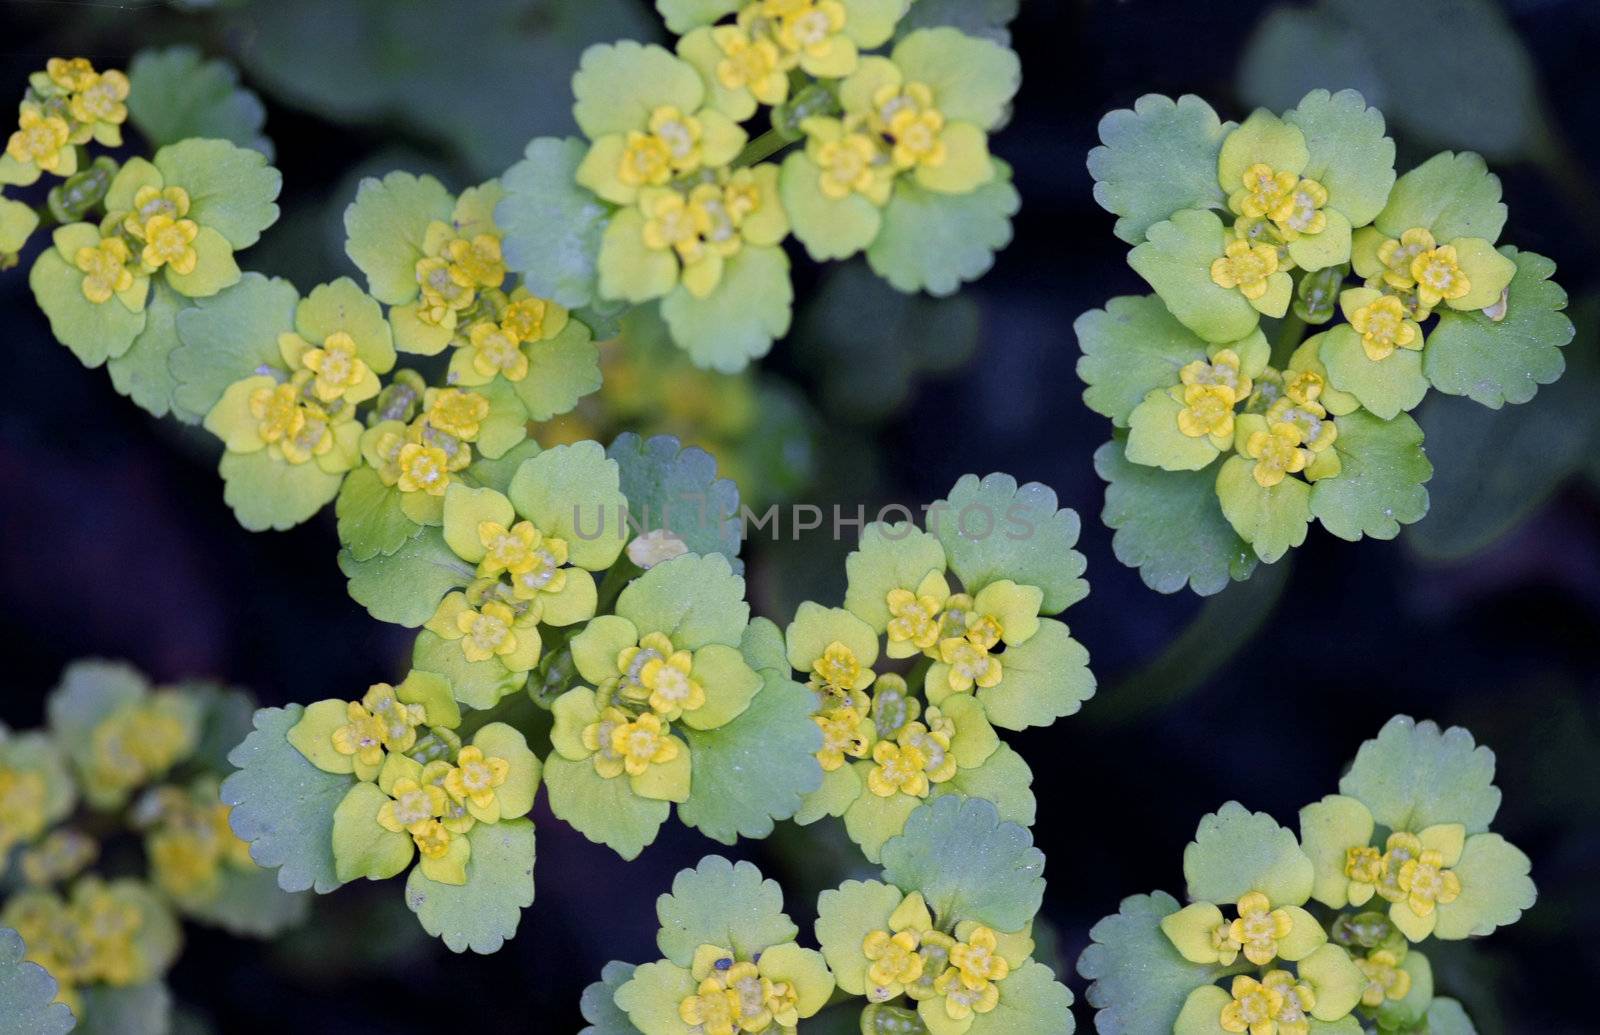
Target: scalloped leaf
(605, 811)
(845, 916)
(561, 371)
(968, 863)
(1156, 158)
(1138, 980)
(757, 768)
(1131, 346)
(1350, 153)
(1176, 259)
(995, 529)
(483, 913)
(142, 373)
(599, 1004)
(1032, 1002)
(1496, 363)
(1453, 195)
(405, 587)
(552, 226)
(283, 805)
(1168, 524)
(1380, 484)
(722, 903)
(672, 486)
(1045, 678)
(1236, 851)
(94, 333)
(1495, 889)
(695, 600)
(1414, 775)
(384, 228)
(1003, 779)
(231, 189)
(176, 94)
(228, 337)
(371, 519)
(937, 242)
(985, 19)
(751, 307)
(27, 993)
(268, 492)
(1271, 519)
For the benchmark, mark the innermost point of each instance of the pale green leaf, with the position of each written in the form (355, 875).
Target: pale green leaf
(599, 1004)
(605, 811)
(176, 94)
(871, 821)
(1155, 159)
(476, 684)
(845, 916)
(1447, 1017)
(483, 913)
(1388, 386)
(937, 242)
(1032, 1002)
(1380, 484)
(1044, 678)
(995, 529)
(740, 319)
(972, 79)
(384, 228)
(405, 587)
(891, 556)
(231, 189)
(694, 599)
(1138, 980)
(1496, 363)
(142, 373)
(1453, 195)
(724, 904)
(228, 337)
(675, 487)
(552, 226)
(1130, 347)
(94, 333)
(1413, 775)
(267, 491)
(27, 993)
(1236, 851)
(283, 805)
(1003, 779)
(362, 847)
(560, 372)
(987, 19)
(618, 85)
(682, 16)
(650, 997)
(1176, 260)
(830, 228)
(1271, 520)
(371, 521)
(968, 863)
(1495, 889)
(1350, 154)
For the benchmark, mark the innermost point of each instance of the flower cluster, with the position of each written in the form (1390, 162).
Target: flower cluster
(119, 756)
(1280, 212)
(957, 610)
(1410, 827)
(67, 105)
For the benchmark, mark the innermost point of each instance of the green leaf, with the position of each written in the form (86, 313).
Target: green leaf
(1176, 261)
(228, 337)
(266, 491)
(830, 228)
(870, 821)
(1387, 386)
(476, 684)
(141, 373)
(724, 904)
(143, 1009)
(968, 863)
(1411, 1009)
(363, 848)
(973, 80)
(1496, 363)
(27, 993)
(405, 587)
(1236, 851)
(249, 903)
(1380, 484)
(995, 529)
(605, 811)
(496, 474)
(618, 85)
(283, 805)
(1032, 1002)
(231, 189)
(891, 555)
(845, 916)
(599, 1004)
(737, 322)
(371, 520)
(757, 768)
(695, 600)
(1044, 678)
(1349, 153)
(937, 242)
(560, 372)
(1138, 980)
(572, 492)
(1003, 779)
(1495, 889)
(18, 221)
(1169, 526)
(682, 16)
(675, 487)
(985, 19)
(384, 228)
(1453, 195)
(762, 647)
(1412, 775)
(1272, 519)
(1447, 1017)
(176, 94)
(552, 226)
(94, 333)
(1156, 440)
(483, 913)
(1130, 347)
(226, 717)
(651, 995)
(1156, 159)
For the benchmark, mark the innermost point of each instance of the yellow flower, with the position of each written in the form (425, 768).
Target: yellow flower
(507, 549)
(812, 28)
(673, 691)
(846, 732)
(713, 1009)
(362, 737)
(446, 290)
(1398, 257)
(1207, 411)
(970, 663)
(898, 769)
(532, 319)
(1438, 276)
(399, 720)
(1363, 864)
(412, 804)
(101, 100)
(1300, 211)
(432, 838)
(1222, 370)
(1385, 979)
(838, 671)
(1264, 191)
(978, 959)
(669, 223)
(597, 737)
(1225, 943)
(486, 632)
(278, 412)
(961, 1002)
(42, 140)
(71, 74)
(496, 351)
(105, 270)
(642, 743)
(1303, 386)
(1426, 881)
(1295, 1002)
(1401, 847)
(750, 63)
(22, 802)
(475, 777)
(457, 413)
(1277, 453)
(1317, 432)
(932, 740)
(1254, 1007)
(149, 202)
(913, 124)
(914, 618)
(478, 261)
(849, 166)
(895, 960)
(170, 242)
(423, 469)
(1246, 267)
(545, 574)
(337, 366)
(1259, 928)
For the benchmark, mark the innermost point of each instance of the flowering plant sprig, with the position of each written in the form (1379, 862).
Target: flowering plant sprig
(120, 761)
(941, 640)
(1228, 446)
(1327, 927)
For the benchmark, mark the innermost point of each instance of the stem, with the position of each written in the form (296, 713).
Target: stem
(762, 147)
(1290, 334)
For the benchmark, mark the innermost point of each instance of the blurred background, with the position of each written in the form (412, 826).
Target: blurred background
(1487, 614)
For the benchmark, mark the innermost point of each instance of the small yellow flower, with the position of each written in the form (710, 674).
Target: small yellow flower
(457, 413)
(932, 740)
(811, 27)
(1296, 1000)
(423, 469)
(1385, 979)
(22, 802)
(1310, 419)
(149, 202)
(496, 351)
(1207, 411)
(670, 224)
(970, 664)
(486, 632)
(1398, 257)
(673, 691)
(1254, 1007)
(1264, 191)
(412, 804)
(170, 242)
(713, 1009)
(362, 737)
(105, 269)
(432, 838)
(1438, 276)
(1277, 453)
(337, 365)
(1303, 386)
(895, 960)
(598, 737)
(545, 574)
(475, 777)
(102, 99)
(478, 262)
(1246, 267)
(1259, 928)
(750, 63)
(844, 734)
(278, 412)
(961, 1002)
(1222, 371)
(1427, 882)
(1225, 943)
(838, 671)
(400, 720)
(714, 219)
(642, 743)
(446, 290)
(913, 619)
(507, 549)
(978, 959)
(71, 74)
(1300, 212)
(1363, 864)
(42, 140)
(531, 319)
(916, 130)
(898, 769)
(849, 165)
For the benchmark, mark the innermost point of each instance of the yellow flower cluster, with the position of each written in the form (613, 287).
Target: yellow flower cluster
(1407, 871)
(733, 996)
(62, 855)
(423, 455)
(23, 795)
(189, 840)
(773, 37)
(1277, 1004)
(633, 730)
(453, 271)
(67, 104)
(916, 959)
(140, 742)
(87, 939)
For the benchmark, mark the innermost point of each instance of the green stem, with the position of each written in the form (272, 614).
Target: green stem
(762, 148)
(1290, 334)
